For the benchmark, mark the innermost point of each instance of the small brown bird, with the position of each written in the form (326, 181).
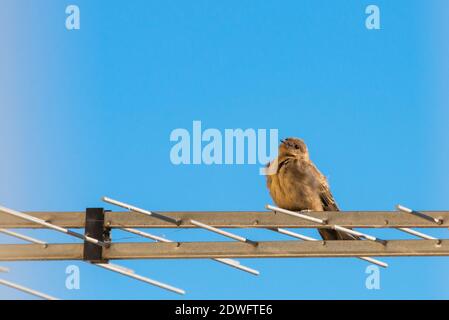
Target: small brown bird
(296, 184)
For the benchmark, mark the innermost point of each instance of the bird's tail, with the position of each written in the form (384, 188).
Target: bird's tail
(330, 234)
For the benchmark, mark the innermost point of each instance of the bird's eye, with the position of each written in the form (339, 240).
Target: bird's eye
(296, 146)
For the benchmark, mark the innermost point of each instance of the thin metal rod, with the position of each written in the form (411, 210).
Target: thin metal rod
(418, 214)
(293, 234)
(22, 237)
(139, 210)
(322, 221)
(417, 233)
(125, 269)
(27, 290)
(124, 272)
(375, 261)
(222, 232)
(307, 238)
(146, 235)
(52, 226)
(296, 214)
(3, 269)
(236, 264)
(230, 262)
(359, 234)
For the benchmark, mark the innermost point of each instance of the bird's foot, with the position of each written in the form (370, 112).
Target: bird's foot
(306, 210)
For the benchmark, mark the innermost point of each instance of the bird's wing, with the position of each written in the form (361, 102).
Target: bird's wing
(327, 199)
(268, 176)
(329, 204)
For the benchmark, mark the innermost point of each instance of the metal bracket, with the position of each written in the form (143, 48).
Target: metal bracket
(95, 228)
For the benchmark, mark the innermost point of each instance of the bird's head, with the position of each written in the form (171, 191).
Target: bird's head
(293, 147)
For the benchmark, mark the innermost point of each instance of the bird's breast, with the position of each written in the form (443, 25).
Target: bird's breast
(294, 188)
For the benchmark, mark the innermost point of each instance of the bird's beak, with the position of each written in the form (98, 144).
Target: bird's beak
(282, 141)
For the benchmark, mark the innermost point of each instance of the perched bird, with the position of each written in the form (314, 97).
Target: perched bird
(296, 184)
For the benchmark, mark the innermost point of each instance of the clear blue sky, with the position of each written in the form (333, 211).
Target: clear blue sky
(89, 113)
